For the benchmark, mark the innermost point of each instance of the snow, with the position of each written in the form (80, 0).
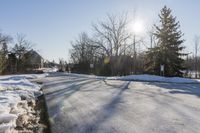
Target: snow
(22, 76)
(49, 70)
(142, 77)
(154, 78)
(15, 92)
(90, 105)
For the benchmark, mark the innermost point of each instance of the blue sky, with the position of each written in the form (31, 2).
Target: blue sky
(53, 24)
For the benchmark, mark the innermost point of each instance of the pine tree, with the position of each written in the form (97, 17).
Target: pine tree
(168, 52)
(3, 59)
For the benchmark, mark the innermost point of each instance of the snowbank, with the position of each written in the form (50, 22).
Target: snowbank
(15, 93)
(154, 78)
(85, 75)
(22, 76)
(142, 77)
(49, 70)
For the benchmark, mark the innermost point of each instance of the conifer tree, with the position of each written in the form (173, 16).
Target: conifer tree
(3, 59)
(168, 51)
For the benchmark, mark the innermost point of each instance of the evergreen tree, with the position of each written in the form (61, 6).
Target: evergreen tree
(3, 59)
(168, 51)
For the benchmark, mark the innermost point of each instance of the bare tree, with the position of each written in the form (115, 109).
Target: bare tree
(4, 39)
(152, 37)
(83, 52)
(112, 35)
(110, 49)
(21, 47)
(81, 49)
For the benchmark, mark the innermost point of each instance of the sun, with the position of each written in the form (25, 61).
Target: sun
(138, 27)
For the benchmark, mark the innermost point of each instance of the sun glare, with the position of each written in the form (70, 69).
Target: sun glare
(138, 27)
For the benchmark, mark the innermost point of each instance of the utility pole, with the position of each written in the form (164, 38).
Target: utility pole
(196, 39)
(135, 54)
(151, 39)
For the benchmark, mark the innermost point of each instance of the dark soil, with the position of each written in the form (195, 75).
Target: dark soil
(44, 119)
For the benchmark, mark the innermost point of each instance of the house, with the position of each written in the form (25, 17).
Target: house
(32, 60)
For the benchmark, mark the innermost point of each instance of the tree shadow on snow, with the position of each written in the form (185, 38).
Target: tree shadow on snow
(56, 97)
(173, 88)
(108, 110)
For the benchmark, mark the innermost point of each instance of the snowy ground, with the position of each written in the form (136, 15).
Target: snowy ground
(85, 104)
(16, 92)
(142, 77)
(47, 70)
(154, 78)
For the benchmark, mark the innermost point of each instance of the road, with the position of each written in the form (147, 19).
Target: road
(87, 105)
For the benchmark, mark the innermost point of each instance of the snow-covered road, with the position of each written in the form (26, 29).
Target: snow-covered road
(85, 105)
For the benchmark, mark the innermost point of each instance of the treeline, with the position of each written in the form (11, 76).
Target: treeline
(112, 49)
(193, 67)
(20, 58)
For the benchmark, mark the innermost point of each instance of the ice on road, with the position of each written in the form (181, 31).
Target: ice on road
(87, 105)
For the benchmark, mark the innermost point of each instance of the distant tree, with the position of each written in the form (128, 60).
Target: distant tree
(62, 65)
(83, 52)
(80, 47)
(152, 62)
(111, 35)
(112, 40)
(4, 40)
(12, 62)
(3, 58)
(21, 47)
(192, 64)
(168, 51)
